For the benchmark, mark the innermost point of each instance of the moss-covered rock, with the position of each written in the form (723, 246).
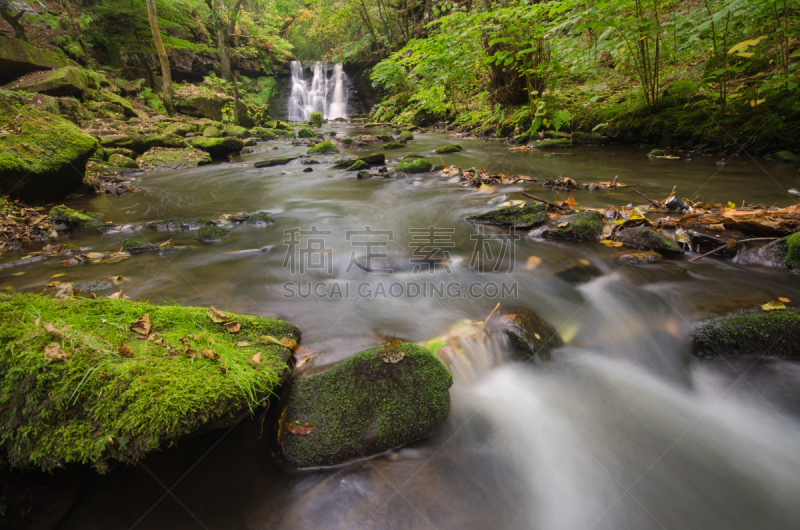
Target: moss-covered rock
(375, 159)
(237, 132)
(553, 143)
(77, 220)
(134, 246)
(364, 174)
(451, 148)
(117, 151)
(180, 129)
(67, 81)
(364, 406)
(358, 165)
(392, 145)
(405, 136)
(323, 147)
(45, 157)
(260, 219)
(752, 332)
(784, 251)
(218, 148)
(211, 234)
(656, 152)
(414, 165)
(177, 224)
(305, 133)
(212, 132)
(98, 404)
(122, 161)
(144, 142)
(165, 158)
(787, 156)
(524, 216)
(126, 106)
(646, 238)
(581, 226)
(315, 119)
(201, 102)
(18, 58)
(530, 336)
(282, 161)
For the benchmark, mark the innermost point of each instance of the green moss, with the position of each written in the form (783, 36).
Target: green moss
(414, 165)
(754, 332)
(323, 147)
(347, 141)
(135, 246)
(211, 234)
(237, 132)
(646, 238)
(218, 148)
(787, 156)
(582, 226)
(122, 161)
(177, 224)
(405, 136)
(315, 119)
(375, 159)
(525, 216)
(211, 132)
(67, 81)
(260, 219)
(158, 158)
(392, 145)
(305, 133)
(180, 129)
(97, 405)
(452, 148)
(358, 165)
(656, 152)
(76, 219)
(364, 406)
(793, 251)
(554, 143)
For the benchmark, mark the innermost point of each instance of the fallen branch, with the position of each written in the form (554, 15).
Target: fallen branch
(780, 222)
(554, 205)
(723, 247)
(651, 201)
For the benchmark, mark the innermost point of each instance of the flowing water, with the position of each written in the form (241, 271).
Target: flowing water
(328, 92)
(620, 430)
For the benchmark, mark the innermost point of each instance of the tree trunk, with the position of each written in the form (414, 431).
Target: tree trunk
(13, 21)
(162, 55)
(780, 222)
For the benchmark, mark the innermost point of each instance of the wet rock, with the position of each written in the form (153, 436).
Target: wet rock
(260, 219)
(656, 152)
(211, 234)
(372, 402)
(18, 58)
(45, 157)
(308, 170)
(640, 258)
(323, 147)
(787, 156)
(165, 158)
(134, 246)
(309, 161)
(364, 175)
(375, 159)
(76, 220)
(93, 286)
(750, 332)
(415, 165)
(578, 271)
(391, 145)
(452, 148)
(218, 148)
(122, 161)
(282, 161)
(784, 252)
(405, 136)
(531, 338)
(646, 238)
(358, 165)
(581, 226)
(553, 143)
(526, 216)
(177, 224)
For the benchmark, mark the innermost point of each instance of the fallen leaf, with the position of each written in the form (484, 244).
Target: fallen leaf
(242, 344)
(58, 275)
(217, 316)
(609, 243)
(232, 327)
(142, 326)
(118, 296)
(51, 329)
(125, 350)
(571, 202)
(537, 335)
(53, 352)
(39, 320)
(18, 274)
(288, 342)
(209, 354)
(300, 430)
(255, 360)
(773, 306)
(533, 262)
(784, 300)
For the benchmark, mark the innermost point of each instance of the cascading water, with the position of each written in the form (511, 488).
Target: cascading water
(328, 94)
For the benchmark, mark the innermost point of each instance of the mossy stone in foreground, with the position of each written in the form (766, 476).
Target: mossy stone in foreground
(646, 238)
(364, 406)
(752, 332)
(525, 216)
(414, 165)
(305, 133)
(452, 148)
(211, 234)
(582, 226)
(98, 405)
(323, 147)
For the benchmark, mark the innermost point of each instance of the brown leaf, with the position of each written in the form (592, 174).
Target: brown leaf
(37, 322)
(288, 342)
(784, 300)
(232, 327)
(300, 430)
(209, 354)
(53, 353)
(142, 326)
(52, 330)
(217, 316)
(570, 202)
(125, 350)
(255, 360)
(118, 296)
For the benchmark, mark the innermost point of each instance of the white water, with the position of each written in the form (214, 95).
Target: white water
(328, 94)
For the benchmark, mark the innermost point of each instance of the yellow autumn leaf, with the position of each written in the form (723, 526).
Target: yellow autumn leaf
(609, 243)
(533, 262)
(773, 306)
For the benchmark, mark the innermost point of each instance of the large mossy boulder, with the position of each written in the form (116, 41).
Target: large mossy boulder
(414, 165)
(524, 216)
(646, 238)
(67, 81)
(218, 148)
(42, 156)
(368, 404)
(79, 386)
(200, 102)
(750, 332)
(305, 133)
(18, 58)
(323, 147)
(581, 226)
(315, 119)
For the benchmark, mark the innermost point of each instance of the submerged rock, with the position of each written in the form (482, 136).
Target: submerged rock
(640, 258)
(178, 224)
(414, 165)
(364, 175)
(531, 338)
(750, 332)
(452, 148)
(282, 161)
(372, 402)
(646, 238)
(211, 234)
(180, 383)
(375, 159)
(525, 216)
(260, 219)
(581, 226)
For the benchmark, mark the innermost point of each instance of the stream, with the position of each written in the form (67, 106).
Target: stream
(622, 429)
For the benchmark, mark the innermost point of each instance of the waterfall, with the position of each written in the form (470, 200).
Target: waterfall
(328, 93)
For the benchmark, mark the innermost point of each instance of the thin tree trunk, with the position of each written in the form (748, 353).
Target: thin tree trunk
(162, 56)
(13, 21)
